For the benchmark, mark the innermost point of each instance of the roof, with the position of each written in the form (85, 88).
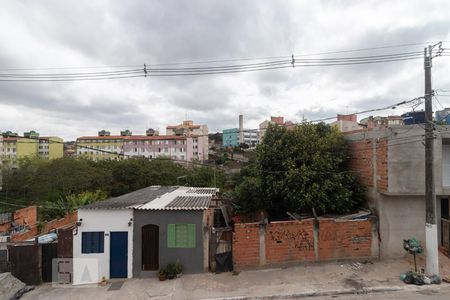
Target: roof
(160, 198)
(141, 196)
(183, 198)
(135, 137)
(108, 137)
(182, 126)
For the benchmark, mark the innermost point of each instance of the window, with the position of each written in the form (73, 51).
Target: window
(181, 235)
(92, 242)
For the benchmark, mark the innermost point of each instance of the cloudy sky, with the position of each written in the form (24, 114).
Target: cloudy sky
(48, 34)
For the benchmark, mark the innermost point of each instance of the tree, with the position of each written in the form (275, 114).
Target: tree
(300, 169)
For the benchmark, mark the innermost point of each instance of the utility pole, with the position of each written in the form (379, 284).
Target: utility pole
(432, 255)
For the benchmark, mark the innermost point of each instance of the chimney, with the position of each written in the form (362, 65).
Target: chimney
(241, 129)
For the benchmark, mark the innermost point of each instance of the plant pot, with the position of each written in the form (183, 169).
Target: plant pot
(162, 277)
(179, 275)
(171, 276)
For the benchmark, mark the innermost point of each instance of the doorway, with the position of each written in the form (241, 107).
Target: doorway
(150, 247)
(118, 260)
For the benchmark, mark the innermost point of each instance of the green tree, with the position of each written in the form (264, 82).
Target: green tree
(300, 169)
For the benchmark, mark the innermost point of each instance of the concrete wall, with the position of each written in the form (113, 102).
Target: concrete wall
(398, 195)
(100, 220)
(192, 259)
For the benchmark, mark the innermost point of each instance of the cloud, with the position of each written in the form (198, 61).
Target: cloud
(98, 33)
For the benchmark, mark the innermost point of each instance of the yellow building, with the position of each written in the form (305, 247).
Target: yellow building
(51, 147)
(15, 147)
(101, 147)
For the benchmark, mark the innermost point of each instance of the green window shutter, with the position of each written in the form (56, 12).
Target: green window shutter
(171, 236)
(191, 236)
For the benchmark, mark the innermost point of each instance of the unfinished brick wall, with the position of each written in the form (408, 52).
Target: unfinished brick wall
(289, 241)
(22, 217)
(246, 244)
(363, 163)
(297, 241)
(344, 239)
(382, 165)
(47, 227)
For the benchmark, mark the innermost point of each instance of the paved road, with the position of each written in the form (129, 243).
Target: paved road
(442, 293)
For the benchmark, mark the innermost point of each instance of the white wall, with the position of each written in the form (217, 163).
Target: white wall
(100, 220)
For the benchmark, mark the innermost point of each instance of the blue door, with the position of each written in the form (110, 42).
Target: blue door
(118, 254)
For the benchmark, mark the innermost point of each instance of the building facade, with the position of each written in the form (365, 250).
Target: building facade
(135, 234)
(274, 121)
(390, 164)
(31, 145)
(178, 147)
(443, 116)
(188, 128)
(230, 137)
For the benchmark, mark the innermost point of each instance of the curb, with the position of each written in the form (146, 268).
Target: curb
(364, 290)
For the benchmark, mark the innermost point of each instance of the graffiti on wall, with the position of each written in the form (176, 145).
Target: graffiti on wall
(357, 239)
(300, 238)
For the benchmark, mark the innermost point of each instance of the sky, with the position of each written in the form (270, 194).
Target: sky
(55, 34)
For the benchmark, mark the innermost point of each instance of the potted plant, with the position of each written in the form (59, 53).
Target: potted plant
(178, 269)
(162, 274)
(171, 272)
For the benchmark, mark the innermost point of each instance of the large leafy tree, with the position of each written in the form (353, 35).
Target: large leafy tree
(300, 169)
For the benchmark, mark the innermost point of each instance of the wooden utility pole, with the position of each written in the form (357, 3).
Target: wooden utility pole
(431, 239)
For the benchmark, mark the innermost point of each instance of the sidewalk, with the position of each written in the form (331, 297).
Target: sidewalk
(292, 282)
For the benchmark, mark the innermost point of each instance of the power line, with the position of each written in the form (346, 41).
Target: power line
(150, 71)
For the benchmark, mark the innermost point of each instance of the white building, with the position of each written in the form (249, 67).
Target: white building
(178, 147)
(188, 128)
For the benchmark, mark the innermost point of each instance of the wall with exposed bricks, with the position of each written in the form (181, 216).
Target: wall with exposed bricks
(257, 244)
(70, 218)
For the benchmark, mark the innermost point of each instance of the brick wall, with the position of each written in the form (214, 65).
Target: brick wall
(361, 161)
(299, 241)
(48, 226)
(344, 239)
(363, 164)
(289, 241)
(382, 165)
(246, 244)
(25, 216)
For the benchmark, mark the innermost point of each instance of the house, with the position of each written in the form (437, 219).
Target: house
(135, 234)
(390, 162)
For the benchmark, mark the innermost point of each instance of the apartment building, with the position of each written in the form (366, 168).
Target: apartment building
(188, 128)
(177, 147)
(15, 147)
(274, 121)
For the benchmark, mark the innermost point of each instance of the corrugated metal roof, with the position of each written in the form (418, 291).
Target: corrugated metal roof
(189, 202)
(160, 198)
(132, 199)
(183, 198)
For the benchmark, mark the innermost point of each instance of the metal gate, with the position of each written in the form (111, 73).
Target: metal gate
(25, 263)
(49, 252)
